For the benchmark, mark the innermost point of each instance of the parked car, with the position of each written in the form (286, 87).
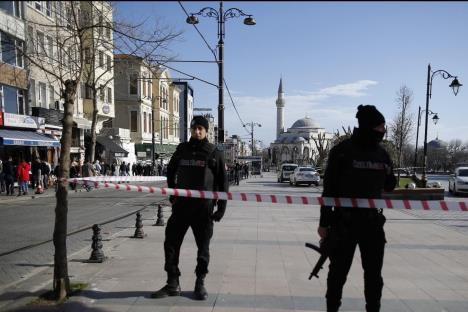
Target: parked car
(458, 182)
(285, 171)
(305, 175)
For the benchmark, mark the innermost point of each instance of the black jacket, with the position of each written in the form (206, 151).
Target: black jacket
(198, 165)
(356, 169)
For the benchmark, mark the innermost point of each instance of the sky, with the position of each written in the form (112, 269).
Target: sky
(332, 56)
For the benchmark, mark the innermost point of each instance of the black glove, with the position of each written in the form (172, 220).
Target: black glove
(172, 199)
(219, 213)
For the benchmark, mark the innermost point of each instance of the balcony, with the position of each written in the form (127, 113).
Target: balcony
(52, 116)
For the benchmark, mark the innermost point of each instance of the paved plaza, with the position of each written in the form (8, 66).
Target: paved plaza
(259, 263)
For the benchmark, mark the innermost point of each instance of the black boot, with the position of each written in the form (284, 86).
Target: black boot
(172, 288)
(200, 292)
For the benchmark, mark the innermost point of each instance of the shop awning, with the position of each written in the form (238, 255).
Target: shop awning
(82, 123)
(26, 138)
(111, 147)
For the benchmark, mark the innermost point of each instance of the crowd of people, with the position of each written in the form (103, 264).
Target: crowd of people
(21, 176)
(35, 174)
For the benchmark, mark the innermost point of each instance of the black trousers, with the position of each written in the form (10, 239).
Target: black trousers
(371, 241)
(188, 213)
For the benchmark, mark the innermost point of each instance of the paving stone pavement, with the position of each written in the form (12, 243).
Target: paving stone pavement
(259, 263)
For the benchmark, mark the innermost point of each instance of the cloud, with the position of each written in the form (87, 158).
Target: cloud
(325, 106)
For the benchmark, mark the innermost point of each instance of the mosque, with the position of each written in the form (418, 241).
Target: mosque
(296, 144)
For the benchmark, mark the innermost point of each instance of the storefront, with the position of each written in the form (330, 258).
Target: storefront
(161, 151)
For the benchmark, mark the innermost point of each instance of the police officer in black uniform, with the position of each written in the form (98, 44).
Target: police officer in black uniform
(358, 167)
(195, 165)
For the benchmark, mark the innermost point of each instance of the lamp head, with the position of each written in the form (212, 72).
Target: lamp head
(192, 20)
(455, 85)
(250, 21)
(435, 119)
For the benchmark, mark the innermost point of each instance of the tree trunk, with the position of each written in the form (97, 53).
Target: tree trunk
(92, 147)
(61, 279)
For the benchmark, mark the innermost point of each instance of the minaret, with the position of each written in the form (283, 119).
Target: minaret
(279, 110)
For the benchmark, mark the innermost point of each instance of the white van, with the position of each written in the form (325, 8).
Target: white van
(285, 171)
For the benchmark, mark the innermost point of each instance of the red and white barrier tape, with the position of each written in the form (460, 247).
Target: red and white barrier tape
(119, 179)
(292, 199)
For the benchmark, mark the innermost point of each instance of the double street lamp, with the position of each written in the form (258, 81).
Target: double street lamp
(435, 119)
(221, 16)
(252, 125)
(455, 85)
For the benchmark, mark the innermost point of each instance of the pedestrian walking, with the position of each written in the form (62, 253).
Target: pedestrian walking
(9, 175)
(358, 167)
(237, 169)
(45, 170)
(197, 165)
(36, 173)
(22, 175)
(2, 178)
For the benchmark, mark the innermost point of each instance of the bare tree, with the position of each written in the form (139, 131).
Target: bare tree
(121, 37)
(337, 137)
(323, 146)
(401, 126)
(456, 152)
(59, 53)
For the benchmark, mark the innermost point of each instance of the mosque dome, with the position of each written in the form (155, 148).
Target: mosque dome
(305, 123)
(436, 144)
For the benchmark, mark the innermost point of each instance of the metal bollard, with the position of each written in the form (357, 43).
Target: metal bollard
(160, 217)
(138, 227)
(97, 255)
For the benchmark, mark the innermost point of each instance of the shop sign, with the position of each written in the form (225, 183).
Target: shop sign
(23, 121)
(141, 154)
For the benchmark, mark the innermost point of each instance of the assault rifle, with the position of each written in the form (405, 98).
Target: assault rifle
(327, 245)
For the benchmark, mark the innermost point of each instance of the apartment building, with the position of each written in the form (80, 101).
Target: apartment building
(185, 109)
(20, 135)
(134, 102)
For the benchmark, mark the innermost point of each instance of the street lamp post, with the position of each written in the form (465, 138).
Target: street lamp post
(252, 125)
(455, 85)
(435, 119)
(221, 16)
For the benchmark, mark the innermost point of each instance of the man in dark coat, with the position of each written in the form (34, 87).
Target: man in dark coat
(358, 167)
(196, 165)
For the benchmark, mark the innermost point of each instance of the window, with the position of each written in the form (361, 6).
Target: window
(38, 5)
(89, 92)
(108, 30)
(8, 49)
(144, 86)
(109, 63)
(7, 6)
(133, 83)
(102, 93)
(100, 24)
(50, 47)
(32, 92)
(133, 121)
(20, 101)
(17, 9)
(109, 95)
(30, 43)
(150, 123)
(42, 95)
(101, 59)
(144, 122)
(51, 96)
(40, 43)
(150, 95)
(10, 99)
(48, 8)
(19, 53)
